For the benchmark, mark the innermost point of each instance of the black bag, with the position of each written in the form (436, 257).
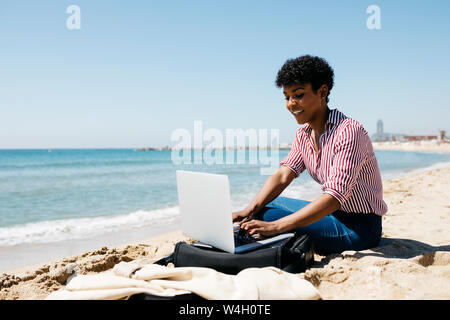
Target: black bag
(293, 255)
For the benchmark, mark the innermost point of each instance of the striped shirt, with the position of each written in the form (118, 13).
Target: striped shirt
(345, 166)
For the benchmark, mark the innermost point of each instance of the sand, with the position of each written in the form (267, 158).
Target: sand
(411, 262)
(37, 281)
(413, 259)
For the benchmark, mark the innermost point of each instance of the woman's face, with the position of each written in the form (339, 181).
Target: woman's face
(303, 103)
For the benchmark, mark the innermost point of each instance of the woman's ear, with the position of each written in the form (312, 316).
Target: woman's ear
(323, 91)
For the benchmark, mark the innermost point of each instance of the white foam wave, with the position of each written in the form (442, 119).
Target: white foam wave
(67, 229)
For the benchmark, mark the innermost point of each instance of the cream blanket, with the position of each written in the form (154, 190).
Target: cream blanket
(128, 278)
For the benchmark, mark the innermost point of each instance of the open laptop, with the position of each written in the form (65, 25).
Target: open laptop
(206, 215)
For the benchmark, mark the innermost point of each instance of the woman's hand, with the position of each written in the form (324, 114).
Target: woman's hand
(242, 216)
(271, 189)
(261, 228)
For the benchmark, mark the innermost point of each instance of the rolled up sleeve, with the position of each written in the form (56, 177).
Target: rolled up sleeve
(349, 157)
(294, 159)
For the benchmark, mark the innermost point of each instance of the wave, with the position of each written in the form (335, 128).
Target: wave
(68, 229)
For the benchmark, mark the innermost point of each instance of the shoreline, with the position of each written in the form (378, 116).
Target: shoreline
(412, 260)
(61, 249)
(156, 239)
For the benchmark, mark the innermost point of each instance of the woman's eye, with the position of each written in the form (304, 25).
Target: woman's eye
(296, 97)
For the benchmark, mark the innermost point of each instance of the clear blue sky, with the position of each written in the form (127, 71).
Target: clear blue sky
(137, 70)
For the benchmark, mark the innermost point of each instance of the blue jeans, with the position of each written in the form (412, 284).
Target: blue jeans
(337, 232)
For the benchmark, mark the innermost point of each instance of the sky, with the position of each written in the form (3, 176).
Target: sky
(136, 71)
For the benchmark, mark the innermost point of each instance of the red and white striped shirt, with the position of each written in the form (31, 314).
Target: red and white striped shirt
(345, 166)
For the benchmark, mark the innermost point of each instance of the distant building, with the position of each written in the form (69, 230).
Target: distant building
(419, 138)
(380, 135)
(380, 128)
(377, 136)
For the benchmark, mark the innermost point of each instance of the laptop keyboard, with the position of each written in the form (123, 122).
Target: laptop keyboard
(242, 237)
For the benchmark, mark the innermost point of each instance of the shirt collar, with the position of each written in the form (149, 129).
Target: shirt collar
(334, 118)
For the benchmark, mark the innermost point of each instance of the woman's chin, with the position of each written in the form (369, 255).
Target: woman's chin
(300, 121)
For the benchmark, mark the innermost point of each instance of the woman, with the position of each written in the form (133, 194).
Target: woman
(337, 153)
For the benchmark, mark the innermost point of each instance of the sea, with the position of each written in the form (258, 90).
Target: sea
(63, 202)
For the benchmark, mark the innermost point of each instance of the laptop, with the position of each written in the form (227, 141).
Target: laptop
(206, 214)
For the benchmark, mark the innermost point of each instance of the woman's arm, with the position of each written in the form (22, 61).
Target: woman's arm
(314, 211)
(271, 189)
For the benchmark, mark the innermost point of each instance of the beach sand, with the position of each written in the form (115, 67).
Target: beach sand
(412, 260)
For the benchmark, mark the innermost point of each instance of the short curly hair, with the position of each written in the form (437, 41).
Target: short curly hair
(306, 69)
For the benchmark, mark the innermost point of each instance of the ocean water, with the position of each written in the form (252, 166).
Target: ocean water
(60, 196)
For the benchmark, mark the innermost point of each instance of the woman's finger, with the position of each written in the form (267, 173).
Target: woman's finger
(254, 231)
(252, 225)
(248, 224)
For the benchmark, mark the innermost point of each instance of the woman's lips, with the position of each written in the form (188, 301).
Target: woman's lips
(297, 112)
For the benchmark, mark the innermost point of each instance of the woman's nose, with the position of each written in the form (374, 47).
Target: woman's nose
(290, 102)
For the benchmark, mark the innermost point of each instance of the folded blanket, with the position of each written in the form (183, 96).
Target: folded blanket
(128, 278)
